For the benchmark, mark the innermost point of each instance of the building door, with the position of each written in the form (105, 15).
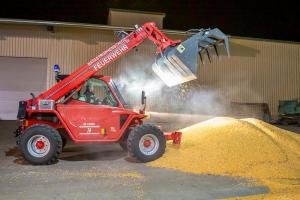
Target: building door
(18, 78)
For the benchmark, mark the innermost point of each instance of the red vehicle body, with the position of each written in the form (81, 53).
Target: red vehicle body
(72, 108)
(105, 123)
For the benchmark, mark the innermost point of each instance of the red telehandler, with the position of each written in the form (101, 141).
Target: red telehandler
(88, 108)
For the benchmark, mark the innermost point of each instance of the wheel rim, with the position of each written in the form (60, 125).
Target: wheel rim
(38, 146)
(149, 144)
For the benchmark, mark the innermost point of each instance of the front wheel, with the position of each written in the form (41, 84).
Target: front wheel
(146, 143)
(41, 144)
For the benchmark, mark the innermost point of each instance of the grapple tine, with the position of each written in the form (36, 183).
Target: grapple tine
(208, 54)
(178, 64)
(200, 56)
(216, 50)
(221, 38)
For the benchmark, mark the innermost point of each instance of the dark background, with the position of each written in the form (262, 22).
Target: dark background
(261, 19)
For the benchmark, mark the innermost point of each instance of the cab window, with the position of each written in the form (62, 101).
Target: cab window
(96, 91)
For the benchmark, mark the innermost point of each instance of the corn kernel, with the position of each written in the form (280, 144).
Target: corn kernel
(247, 148)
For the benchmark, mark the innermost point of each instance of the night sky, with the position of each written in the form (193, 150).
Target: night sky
(261, 19)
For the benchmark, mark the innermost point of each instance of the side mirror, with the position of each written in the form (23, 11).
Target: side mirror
(143, 97)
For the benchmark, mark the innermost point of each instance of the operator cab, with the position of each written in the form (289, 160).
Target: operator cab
(98, 90)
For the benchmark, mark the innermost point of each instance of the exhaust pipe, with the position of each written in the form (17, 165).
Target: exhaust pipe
(178, 64)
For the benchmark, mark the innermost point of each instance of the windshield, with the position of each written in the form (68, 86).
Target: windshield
(115, 88)
(95, 91)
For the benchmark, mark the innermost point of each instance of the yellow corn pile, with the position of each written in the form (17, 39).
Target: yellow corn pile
(248, 148)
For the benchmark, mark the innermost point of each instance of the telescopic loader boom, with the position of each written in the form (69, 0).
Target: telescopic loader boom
(175, 63)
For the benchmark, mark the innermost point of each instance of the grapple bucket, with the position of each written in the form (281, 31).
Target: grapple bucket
(178, 64)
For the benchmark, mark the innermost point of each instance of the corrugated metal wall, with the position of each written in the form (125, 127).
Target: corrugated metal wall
(258, 71)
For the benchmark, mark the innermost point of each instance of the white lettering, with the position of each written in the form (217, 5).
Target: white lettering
(122, 42)
(110, 57)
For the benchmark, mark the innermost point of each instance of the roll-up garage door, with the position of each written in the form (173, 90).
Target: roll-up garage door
(18, 78)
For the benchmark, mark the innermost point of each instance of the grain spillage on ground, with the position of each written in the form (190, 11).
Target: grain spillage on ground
(247, 148)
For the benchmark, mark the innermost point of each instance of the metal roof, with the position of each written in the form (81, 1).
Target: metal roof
(113, 28)
(75, 25)
(137, 11)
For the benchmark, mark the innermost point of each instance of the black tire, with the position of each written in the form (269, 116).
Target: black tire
(64, 140)
(123, 141)
(64, 136)
(123, 145)
(136, 136)
(46, 132)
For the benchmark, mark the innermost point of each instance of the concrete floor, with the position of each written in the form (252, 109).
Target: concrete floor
(102, 172)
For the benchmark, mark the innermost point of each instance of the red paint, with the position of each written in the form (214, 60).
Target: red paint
(40, 144)
(84, 121)
(147, 143)
(175, 136)
(135, 38)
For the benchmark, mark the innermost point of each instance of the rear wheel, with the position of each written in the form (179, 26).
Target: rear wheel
(146, 143)
(123, 145)
(123, 142)
(41, 144)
